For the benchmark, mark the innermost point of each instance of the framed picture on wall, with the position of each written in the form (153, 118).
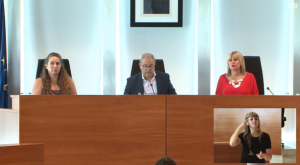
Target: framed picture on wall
(156, 13)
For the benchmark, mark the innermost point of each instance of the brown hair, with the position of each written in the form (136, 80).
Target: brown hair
(247, 132)
(64, 81)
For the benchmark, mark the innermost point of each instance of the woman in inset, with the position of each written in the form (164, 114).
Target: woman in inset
(54, 78)
(256, 143)
(236, 81)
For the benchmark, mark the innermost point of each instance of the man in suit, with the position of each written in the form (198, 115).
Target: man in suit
(149, 81)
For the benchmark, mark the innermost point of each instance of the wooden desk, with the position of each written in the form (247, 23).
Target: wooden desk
(131, 129)
(79, 130)
(22, 154)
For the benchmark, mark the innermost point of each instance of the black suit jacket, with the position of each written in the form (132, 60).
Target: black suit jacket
(135, 84)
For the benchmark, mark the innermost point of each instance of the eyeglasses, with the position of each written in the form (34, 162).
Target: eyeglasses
(150, 66)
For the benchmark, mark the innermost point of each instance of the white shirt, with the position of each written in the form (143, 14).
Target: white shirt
(147, 87)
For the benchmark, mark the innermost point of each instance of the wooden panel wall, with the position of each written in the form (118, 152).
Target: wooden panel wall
(226, 120)
(93, 130)
(190, 124)
(224, 153)
(22, 154)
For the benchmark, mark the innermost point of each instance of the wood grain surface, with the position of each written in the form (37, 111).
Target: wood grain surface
(224, 153)
(131, 129)
(22, 154)
(93, 130)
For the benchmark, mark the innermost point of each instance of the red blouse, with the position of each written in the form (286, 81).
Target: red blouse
(248, 86)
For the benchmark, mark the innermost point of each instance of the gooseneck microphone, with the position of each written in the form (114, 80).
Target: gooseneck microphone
(270, 90)
(283, 119)
(152, 88)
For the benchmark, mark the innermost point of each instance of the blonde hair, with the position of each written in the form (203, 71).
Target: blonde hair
(64, 81)
(247, 132)
(238, 56)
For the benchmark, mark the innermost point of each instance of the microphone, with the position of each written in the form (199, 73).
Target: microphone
(152, 88)
(283, 119)
(270, 90)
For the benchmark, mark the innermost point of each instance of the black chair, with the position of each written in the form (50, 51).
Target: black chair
(135, 69)
(41, 65)
(253, 65)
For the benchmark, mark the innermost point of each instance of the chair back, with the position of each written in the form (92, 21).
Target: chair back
(135, 69)
(253, 65)
(41, 65)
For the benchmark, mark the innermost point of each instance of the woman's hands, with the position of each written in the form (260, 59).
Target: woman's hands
(260, 155)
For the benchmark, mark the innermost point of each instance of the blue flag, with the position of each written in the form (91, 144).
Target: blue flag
(3, 64)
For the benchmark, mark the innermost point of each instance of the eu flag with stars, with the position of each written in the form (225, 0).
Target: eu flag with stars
(3, 64)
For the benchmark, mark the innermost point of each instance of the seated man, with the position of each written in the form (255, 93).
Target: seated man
(149, 81)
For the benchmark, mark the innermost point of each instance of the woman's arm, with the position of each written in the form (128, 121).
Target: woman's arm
(267, 156)
(37, 87)
(235, 140)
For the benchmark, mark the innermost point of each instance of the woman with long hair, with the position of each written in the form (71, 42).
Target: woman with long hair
(237, 81)
(256, 143)
(54, 78)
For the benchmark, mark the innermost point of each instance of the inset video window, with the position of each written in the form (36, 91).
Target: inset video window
(255, 135)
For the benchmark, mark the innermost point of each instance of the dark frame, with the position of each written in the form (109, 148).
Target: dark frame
(133, 22)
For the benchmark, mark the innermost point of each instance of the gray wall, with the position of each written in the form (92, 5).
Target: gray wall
(12, 14)
(297, 48)
(254, 28)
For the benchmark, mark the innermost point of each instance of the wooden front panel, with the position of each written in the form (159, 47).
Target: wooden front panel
(224, 153)
(226, 120)
(22, 154)
(190, 124)
(92, 130)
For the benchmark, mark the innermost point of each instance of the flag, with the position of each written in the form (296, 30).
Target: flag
(3, 64)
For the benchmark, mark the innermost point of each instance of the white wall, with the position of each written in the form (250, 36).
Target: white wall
(289, 130)
(9, 123)
(253, 27)
(97, 39)
(85, 33)
(297, 48)
(174, 45)
(12, 16)
(69, 27)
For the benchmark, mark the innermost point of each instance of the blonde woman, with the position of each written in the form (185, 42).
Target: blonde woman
(256, 143)
(54, 79)
(236, 81)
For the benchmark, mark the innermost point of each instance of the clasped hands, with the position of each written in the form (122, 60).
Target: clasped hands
(260, 155)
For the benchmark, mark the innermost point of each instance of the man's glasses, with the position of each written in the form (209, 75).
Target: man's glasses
(150, 66)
